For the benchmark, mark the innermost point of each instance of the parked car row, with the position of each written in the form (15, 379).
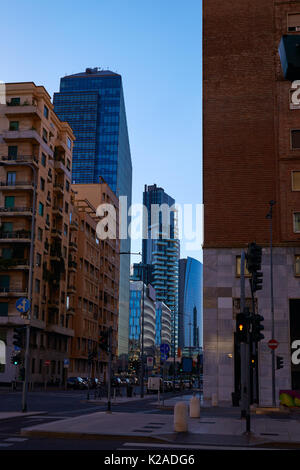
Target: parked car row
(81, 383)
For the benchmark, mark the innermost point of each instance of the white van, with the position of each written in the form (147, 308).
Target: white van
(154, 384)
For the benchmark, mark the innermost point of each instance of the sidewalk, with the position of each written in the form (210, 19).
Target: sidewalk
(210, 429)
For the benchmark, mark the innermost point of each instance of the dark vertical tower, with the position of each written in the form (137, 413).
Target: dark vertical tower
(92, 103)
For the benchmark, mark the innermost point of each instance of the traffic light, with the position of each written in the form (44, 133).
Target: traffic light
(256, 281)
(253, 257)
(279, 362)
(22, 374)
(16, 359)
(103, 340)
(18, 339)
(257, 327)
(242, 326)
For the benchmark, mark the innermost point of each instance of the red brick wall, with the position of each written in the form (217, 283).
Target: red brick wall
(240, 160)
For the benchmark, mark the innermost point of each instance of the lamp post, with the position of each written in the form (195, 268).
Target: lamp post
(30, 277)
(270, 217)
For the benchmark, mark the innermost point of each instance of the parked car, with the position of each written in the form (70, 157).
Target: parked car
(77, 383)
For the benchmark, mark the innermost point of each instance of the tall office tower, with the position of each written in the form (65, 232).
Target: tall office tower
(190, 303)
(92, 103)
(251, 156)
(161, 249)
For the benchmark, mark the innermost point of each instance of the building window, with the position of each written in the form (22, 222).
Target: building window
(40, 234)
(44, 159)
(36, 312)
(296, 222)
(15, 101)
(297, 265)
(65, 230)
(67, 185)
(14, 125)
(11, 178)
(295, 180)
(69, 143)
(238, 267)
(41, 209)
(38, 259)
(66, 207)
(9, 201)
(295, 139)
(3, 309)
(293, 22)
(42, 184)
(37, 286)
(13, 151)
(46, 112)
(45, 136)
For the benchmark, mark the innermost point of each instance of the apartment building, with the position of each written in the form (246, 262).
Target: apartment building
(97, 281)
(35, 211)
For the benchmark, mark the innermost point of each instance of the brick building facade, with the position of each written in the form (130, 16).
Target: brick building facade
(250, 156)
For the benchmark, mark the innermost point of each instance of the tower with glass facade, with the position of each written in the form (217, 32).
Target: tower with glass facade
(161, 249)
(190, 303)
(92, 102)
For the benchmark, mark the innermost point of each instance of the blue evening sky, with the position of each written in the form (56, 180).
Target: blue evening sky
(155, 45)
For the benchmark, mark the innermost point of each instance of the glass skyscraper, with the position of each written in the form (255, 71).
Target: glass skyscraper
(161, 249)
(190, 303)
(92, 103)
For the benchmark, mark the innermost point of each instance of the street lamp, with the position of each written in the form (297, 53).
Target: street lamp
(30, 277)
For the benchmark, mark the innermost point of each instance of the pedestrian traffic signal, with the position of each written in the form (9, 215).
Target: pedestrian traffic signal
(18, 337)
(257, 327)
(253, 257)
(279, 362)
(256, 281)
(242, 326)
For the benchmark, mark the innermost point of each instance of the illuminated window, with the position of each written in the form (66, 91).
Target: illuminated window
(296, 180)
(238, 267)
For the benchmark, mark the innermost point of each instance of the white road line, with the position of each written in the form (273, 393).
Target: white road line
(16, 439)
(187, 446)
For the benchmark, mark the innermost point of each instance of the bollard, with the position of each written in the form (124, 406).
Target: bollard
(195, 407)
(214, 399)
(180, 417)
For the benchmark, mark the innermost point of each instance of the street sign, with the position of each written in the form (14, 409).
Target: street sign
(273, 344)
(164, 350)
(149, 361)
(22, 305)
(66, 363)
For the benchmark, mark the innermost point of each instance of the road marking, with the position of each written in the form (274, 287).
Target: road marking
(132, 445)
(16, 439)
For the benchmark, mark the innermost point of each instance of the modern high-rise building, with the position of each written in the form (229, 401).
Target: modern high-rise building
(92, 102)
(251, 156)
(190, 303)
(161, 249)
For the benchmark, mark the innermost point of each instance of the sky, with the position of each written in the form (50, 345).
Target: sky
(156, 45)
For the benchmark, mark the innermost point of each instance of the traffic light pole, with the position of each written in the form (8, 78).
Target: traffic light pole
(270, 216)
(109, 371)
(245, 356)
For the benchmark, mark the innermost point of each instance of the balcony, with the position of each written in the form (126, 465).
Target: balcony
(58, 211)
(55, 233)
(59, 187)
(74, 225)
(71, 289)
(22, 110)
(72, 266)
(16, 211)
(14, 290)
(19, 159)
(13, 263)
(20, 236)
(16, 185)
(60, 167)
(28, 135)
(73, 246)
